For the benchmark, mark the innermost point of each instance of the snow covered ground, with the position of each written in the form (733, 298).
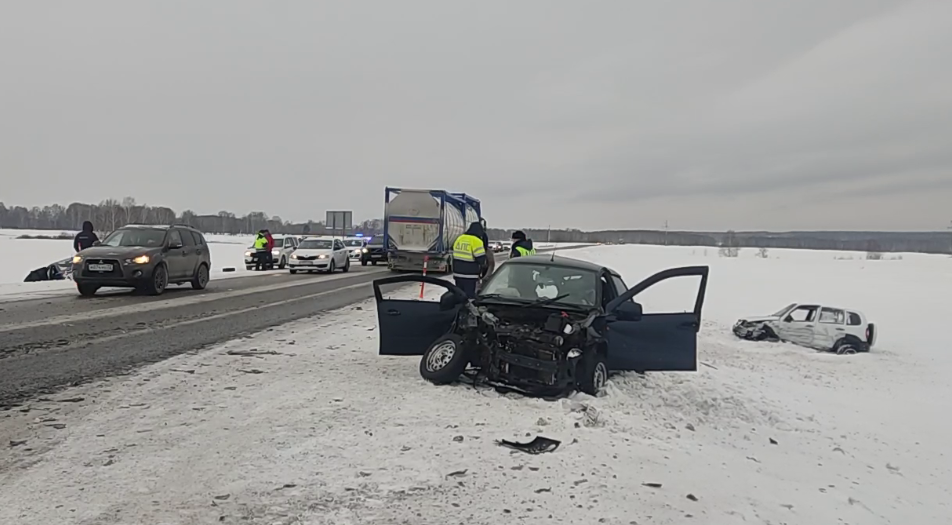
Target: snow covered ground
(25, 255)
(324, 431)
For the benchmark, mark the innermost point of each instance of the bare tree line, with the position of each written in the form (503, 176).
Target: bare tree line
(112, 213)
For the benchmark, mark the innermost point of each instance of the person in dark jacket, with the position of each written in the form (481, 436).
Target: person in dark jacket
(270, 256)
(521, 246)
(469, 259)
(85, 238)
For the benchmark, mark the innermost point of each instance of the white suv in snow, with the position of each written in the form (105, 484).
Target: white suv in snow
(815, 326)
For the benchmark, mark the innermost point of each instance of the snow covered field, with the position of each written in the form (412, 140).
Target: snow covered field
(324, 431)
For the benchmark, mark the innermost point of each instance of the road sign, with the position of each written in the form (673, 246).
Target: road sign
(340, 221)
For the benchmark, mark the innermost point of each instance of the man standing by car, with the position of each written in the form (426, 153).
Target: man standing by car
(521, 246)
(85, 238)
(261, 251)
(270, 259)
(469, 259)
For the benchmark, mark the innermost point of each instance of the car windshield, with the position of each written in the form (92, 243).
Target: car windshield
(783, 310)
(354, 242)
(532, 282)
(136, 237)
(316, 244)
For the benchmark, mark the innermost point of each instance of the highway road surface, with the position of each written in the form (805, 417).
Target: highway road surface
(54, 342)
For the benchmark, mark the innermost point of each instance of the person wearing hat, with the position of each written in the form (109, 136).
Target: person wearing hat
(469, 259)
(261, 251)
(521, 245)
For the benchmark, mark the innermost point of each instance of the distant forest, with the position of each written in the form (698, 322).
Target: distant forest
(111, 214)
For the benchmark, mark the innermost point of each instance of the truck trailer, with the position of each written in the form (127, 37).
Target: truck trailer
(422, 225)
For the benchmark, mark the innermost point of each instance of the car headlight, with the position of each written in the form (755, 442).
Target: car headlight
(247, 254)
(364, 250)
(142, 259)
(275, 252)
(77, 259)
(294, 256)
(322, 256)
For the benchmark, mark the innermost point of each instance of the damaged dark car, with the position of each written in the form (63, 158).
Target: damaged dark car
(541, 325)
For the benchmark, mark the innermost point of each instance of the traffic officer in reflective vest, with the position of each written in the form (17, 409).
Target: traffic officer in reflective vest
(521, 246)
(469, 259)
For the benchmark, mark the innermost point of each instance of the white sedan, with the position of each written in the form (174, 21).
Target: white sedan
(320, 254)
(355, 246)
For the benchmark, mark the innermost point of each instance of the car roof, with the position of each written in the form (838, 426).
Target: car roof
(558, 260)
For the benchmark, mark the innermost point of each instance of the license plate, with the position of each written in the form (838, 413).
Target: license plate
(100, 267)
(376, 256)
(307, 263)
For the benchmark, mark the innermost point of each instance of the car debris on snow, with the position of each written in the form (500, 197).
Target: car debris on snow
(538, 445)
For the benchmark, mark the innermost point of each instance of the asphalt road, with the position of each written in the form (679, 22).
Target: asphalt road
(51, 343)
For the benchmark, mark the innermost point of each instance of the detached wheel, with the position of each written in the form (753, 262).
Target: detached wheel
(87, 290)
(159, 281)
(444, 361)
(200, 281)
(592, 373)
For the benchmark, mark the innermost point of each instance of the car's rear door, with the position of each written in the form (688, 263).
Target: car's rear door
(660, 340)
(408, 326)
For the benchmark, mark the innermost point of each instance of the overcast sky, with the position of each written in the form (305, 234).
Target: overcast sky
(727, 114)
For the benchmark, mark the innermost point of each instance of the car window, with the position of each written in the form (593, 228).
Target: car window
(536, 281)
(855, 319)
(316, 244)
(804, 314)
(279, 242)
(197, 237)
(146, 238)
(619, 284)
(832, 316)
(187, 239)
(175, 237)
(356, 243)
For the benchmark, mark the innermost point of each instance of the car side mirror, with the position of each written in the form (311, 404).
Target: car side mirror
(788, 319)
(448, 301)
(629, 311)
(175, 245)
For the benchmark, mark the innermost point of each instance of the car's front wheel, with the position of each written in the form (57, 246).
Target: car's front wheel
(592, 373)
(444, 361)
(159, 281)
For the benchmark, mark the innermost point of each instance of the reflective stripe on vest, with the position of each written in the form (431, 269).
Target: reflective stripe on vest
(524, 252)
(468, 248)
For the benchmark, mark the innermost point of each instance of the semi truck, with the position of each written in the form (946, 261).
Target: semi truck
(422, 225)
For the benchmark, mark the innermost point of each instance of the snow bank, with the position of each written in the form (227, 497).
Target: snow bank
(325, 431)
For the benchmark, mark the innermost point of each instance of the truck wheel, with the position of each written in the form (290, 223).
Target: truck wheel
(444, 361)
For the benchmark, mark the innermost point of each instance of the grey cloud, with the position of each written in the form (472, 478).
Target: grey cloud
(613, 114)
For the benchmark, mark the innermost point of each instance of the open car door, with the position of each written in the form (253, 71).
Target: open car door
(409, 326)
(654, 341)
